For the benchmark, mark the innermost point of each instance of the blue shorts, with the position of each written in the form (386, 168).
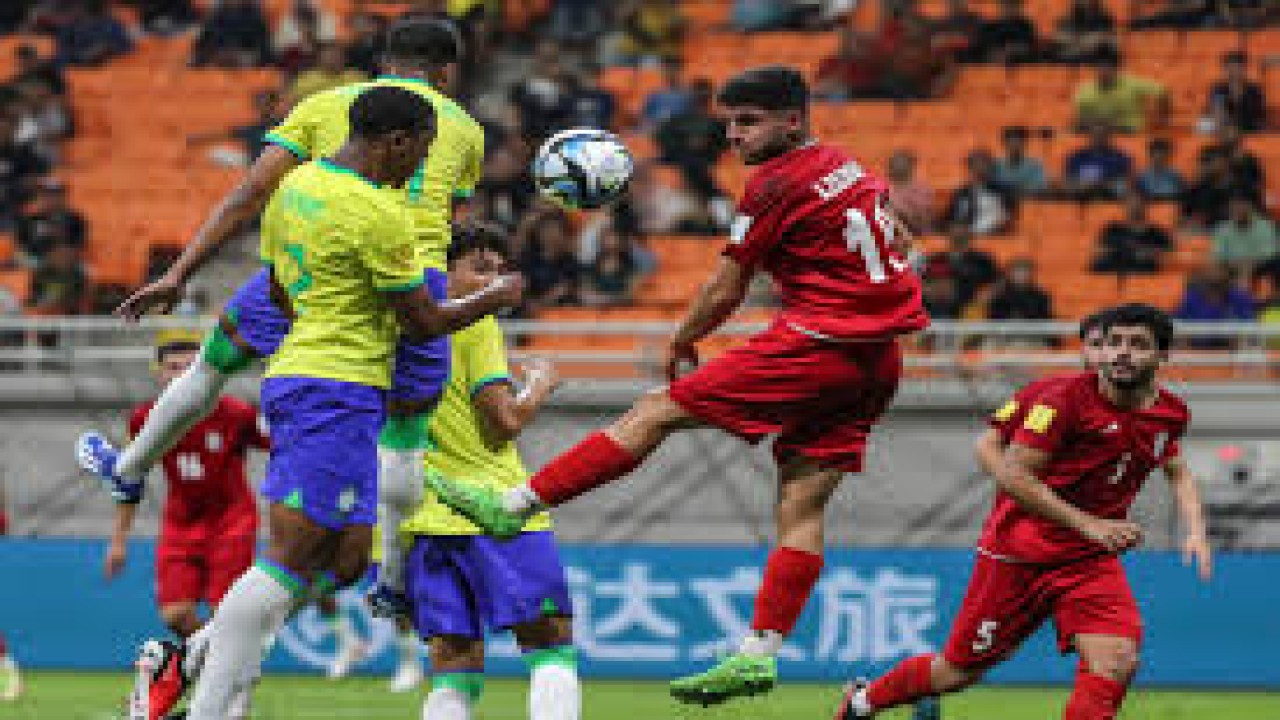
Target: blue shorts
(421, 369)
(324, 448)
(464, 584)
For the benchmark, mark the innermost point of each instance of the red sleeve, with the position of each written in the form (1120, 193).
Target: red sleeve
(1048, 421)
(1009, 415)
(137, 419)
(249, 427)
(763, 217)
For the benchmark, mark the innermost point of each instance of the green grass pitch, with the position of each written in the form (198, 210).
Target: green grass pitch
(94, 696)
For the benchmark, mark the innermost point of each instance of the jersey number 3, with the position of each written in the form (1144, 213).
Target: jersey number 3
(860, 238)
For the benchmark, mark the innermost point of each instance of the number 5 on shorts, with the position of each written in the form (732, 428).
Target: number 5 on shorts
(986, 636)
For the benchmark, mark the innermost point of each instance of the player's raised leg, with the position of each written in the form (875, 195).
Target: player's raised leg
(555, 691)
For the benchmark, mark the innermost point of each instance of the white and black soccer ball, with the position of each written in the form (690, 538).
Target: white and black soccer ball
(583, 168)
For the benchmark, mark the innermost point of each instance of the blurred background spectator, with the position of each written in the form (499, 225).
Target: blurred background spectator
(59, 285)
(364, 46)
(20, 167)
(541, 98)
(980, 204)
(1007, 38)
(969, 270)
(302, 33)
(1099, 170)
(166, 17)
(692, 142)
(1086, 34)
(1245, 238)
(1133, 244)
(89, 34)
(1213, 295)
(47, 223)
(853, 72)
(329, 71)
(651, 31)
(549, 259)
(675, 97)
(1017, 171)
(1159, 180)
(610, 275)
(912, 197)
(1120, 100)
(1235, 99)
(1019, 296)
(234, 34)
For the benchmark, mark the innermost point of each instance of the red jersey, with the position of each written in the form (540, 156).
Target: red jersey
(209, 496)
(1099, 457)
(815, 221)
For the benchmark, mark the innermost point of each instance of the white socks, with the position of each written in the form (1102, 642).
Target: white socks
(554, 693)
(452, 696)
(861, 704)
(400, 485)
(254, 609)
(407, 648)
(186, 401)
(522, 501)
(762, 643)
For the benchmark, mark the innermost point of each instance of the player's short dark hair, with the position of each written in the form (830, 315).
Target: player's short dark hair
(429, 42)
(384, 109)
(1141, 315)
(774, 87)
(174, 347)
(471, 236)
(1093, 322)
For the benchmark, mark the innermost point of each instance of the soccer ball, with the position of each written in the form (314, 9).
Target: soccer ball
(582, 168)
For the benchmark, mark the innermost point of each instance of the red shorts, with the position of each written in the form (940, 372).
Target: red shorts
(1007, 601)
(195, 571)
(820, 397)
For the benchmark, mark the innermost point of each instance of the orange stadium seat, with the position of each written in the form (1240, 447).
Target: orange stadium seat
(17, 282)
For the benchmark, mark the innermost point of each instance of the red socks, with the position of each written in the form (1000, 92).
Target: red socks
(1094, 697)
(907, 682)
(597, 460)
(789, 577)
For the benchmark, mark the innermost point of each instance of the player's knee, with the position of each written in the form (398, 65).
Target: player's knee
(947, 678)
(1119, 663)
(349, 568)
(181, 618)
(545, 632)
(451, 653)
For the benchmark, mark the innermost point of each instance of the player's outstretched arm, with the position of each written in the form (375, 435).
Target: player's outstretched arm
(507, 412)
(1018, 476)
(989, 449)
(118, 549)
(715, 302)
(240, 206)
(1186, 495)
(422, 317)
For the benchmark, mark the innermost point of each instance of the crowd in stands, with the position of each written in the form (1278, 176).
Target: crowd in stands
(563, 49)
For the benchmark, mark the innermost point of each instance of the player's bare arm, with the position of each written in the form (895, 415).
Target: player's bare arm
(1019, 478)
(421, 316)
(1186, 496)
(989, 449)
(507, 412)
(240, 206)
(118, 549)
(715, 302)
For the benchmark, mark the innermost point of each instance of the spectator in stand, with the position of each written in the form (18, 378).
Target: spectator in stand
(1132, 245)
(1125, 102)
(1243, 165)
(235, 34)
(980, 204)
(913, 68)
(330, 72)
(609, 279)
(549, 259)
(970, 270)
(1086, 34)
(1235, 99)
(165, 17)
(30, 66)
(765, 15)
(364, 48)
(1019, 297)
(1159, 180)
(20, 168)
(1018, 171)
(12, 16)
(506, 190)
(1009, 38)
(1245, 239)
(853, 72)
(1204, 203)
(1099, 170)
(672, 99)
(541, 99)
(660, 208)
(1179, 15)
(44, 117)
(941, 297)
(576, 22)
(1266, 278)
(59, 285)
(301, 33)
(651, 31)
(912, 198)
(957, 31)
(91, 35)
(693, 141)
(589, 104)
(48, 223)
(1212, 295)
(266, 105)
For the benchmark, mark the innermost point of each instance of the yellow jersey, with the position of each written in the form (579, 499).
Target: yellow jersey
(319, 125)
(336, 243)
(460, 449)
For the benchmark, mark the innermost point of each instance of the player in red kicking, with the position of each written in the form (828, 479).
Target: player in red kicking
(1078, 453)
(818, 378)
(209, 526)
